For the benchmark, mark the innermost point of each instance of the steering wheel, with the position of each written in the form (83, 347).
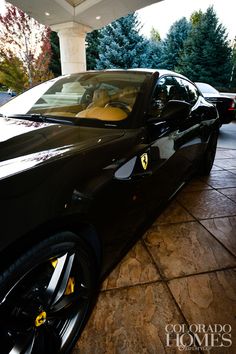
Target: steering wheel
(119, 104)
(86, 98)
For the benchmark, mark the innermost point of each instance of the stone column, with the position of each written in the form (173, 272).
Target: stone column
(72, 46)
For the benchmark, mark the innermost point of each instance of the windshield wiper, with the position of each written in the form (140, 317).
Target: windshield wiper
(38, 117)
(41, 118)
(34, 117)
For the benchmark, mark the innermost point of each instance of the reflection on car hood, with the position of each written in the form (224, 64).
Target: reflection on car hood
(208, 94)
(22, 138)
(10, 128)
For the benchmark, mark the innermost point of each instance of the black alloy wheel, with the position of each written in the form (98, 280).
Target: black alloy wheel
(46, 297)
(209, 155)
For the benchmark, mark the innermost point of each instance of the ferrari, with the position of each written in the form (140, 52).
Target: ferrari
(85, 161)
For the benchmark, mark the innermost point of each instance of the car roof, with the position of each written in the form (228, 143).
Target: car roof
(161, 72)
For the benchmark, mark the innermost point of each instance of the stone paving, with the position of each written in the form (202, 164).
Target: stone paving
(182, 271)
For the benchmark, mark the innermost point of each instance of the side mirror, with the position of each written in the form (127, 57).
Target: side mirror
(173, 110)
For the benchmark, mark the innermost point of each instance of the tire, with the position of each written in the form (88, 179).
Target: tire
(209, 155)
(46, 297)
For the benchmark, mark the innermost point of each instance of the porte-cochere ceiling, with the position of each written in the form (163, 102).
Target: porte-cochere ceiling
(92, 13)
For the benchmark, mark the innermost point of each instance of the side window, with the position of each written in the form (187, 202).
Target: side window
(166, 88)
(182, 90)
(159, 98)
(191, 92)
(172, 88)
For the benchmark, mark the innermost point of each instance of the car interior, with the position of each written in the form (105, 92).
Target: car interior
(110, 107)
(98, 103)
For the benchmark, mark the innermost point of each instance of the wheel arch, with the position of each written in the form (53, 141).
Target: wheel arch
(84, 230)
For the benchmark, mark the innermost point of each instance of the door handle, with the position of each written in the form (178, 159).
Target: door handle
(141, 175)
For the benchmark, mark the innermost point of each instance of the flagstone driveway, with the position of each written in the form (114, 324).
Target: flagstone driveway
(182, 271)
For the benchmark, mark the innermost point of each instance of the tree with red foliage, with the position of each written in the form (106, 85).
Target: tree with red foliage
(23, 37)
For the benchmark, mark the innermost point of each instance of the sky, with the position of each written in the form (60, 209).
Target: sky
(163, 14)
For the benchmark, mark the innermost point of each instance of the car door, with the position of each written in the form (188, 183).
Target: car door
(119, 204)
(190, 129)
(174, 142)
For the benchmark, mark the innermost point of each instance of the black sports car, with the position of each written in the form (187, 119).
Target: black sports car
(85, 160)
(225, 105)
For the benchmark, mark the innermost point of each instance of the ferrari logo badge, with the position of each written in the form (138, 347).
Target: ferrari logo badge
(144, 160)
(41, 319)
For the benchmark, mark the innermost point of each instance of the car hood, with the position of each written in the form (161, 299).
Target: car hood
(208, 94)
(218, 99)
(23, 141)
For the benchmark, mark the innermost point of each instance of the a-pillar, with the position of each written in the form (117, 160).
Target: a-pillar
(72, 46)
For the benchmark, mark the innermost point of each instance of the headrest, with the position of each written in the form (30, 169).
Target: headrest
(71, 87)
(128, 94)
(100, 97)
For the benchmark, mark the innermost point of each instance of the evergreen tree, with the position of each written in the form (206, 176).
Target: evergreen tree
(121, 45)
(155, 35)
(151, 58)
(174, 42)
(233, 70)
(206, 55)
(55, 63)
(92, 51)
(196, 17)
(153, 52)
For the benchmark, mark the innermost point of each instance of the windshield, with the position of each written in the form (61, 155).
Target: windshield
(105, 96)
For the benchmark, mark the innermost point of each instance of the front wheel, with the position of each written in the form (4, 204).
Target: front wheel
(209, 155)
(45, 297)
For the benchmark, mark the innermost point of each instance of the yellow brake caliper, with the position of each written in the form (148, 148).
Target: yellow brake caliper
(70, 286)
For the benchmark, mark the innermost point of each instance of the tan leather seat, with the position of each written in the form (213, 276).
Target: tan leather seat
(103, 113)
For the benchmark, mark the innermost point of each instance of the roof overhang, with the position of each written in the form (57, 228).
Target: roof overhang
(92, 13)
